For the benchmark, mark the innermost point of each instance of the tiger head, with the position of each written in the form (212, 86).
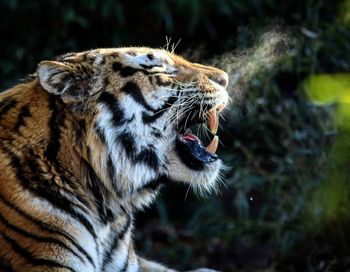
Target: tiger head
(140, 103)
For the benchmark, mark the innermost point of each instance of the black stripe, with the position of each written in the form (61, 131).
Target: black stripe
(80, 129)
(114, 244)
(155, 184)
(126, 264)
(54, 196)
(132, 89)
(80, 132)
(49, 193)
(145, 66)
(56, 121)
(156, 133)
(103, 61)
(99, 133)
(114, 55)
(85, 56)
(132, 53)
(128, 142)
(35, 169)
(117, 66)
(106, 82)
(113, 105)
(24, 112)
(146, 118)
(4, 264)
(99, 192)
(32, 259)
(110, 169)
(38, 237)
(127, 71)
(112, 177)
(47, 227)
(149, 157)
(7, 105)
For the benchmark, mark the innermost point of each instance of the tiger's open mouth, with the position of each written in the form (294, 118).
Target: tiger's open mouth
(189, 147)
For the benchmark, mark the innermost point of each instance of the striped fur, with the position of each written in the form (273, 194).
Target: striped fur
(85, 142)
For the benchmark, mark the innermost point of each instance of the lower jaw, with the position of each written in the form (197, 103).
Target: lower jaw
(193, 155)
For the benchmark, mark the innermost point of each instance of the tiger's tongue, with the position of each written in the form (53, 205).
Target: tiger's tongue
(211, 148)
(190, 137)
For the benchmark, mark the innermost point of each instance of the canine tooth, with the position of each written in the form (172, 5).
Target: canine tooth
(213, 121)
(213, 146)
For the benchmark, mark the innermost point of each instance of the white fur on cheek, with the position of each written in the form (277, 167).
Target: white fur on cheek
(131, 175)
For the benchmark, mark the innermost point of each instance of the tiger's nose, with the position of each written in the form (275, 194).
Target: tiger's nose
(221, 79)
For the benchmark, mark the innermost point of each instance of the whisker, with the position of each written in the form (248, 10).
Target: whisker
(222, 117)
(173, 47)
(178, 114)
(188, 189)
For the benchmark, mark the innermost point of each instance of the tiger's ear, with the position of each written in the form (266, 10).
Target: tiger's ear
(67, 80)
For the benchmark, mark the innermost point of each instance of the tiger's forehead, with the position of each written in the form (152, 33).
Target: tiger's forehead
(128, 55)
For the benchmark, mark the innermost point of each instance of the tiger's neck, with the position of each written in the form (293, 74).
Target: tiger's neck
(49, 142)
(60, 150)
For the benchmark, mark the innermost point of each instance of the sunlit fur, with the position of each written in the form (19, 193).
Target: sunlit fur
(87, 140)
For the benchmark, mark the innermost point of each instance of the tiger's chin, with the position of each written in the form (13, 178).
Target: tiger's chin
(202, 177)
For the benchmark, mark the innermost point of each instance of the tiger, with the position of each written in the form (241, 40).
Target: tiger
(88, 140)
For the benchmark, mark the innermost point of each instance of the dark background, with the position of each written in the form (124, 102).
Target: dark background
(285, 205)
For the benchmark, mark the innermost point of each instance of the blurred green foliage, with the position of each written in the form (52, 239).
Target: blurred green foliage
(328, 207)
(285, 204)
